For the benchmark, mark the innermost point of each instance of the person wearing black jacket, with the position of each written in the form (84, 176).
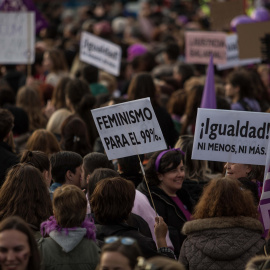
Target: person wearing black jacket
(111, 204)
(165, 174)
(7, 157)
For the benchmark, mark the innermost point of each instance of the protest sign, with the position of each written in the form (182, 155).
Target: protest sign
(24, 6)
(233, 55)
(231, 136)
(264, 205)
(249, 39)
(223, 12)
(17, 37)
(100, 53)
(200, 45)
(129, 129)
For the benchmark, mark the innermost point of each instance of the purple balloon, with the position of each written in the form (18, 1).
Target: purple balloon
(241, 19)
(260, 14)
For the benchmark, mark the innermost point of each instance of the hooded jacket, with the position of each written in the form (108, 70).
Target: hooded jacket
(62, 251)
(170, 212)
(221, 243)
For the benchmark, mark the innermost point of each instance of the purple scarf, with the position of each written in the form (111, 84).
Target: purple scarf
(51, 225)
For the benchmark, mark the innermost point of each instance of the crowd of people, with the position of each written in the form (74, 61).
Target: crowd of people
(65, 205)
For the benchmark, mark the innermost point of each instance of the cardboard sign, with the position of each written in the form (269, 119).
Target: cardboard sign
(23, 6)
(17, 37)
(249, 39)
(200, 45)
(233, 55)
(231, 136)
(100, 53)
(223, 12)
(129, 129)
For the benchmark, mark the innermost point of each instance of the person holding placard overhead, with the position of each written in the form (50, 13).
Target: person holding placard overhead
(142, 86)
(165, 173)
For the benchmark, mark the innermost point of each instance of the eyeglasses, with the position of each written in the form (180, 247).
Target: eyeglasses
(127, 241)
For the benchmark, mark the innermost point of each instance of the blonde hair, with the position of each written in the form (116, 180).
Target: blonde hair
(56, 120)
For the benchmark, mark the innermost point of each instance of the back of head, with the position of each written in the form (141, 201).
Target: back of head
(74, 136)
(69, 206)
(7, 96)
(18, 224)
(63, 161)
(43, 140)
(25, 194)
(6, 123)
(76, 90)
(112, 200)
(240, 78)
(56, 120)
(172, 50)
(142, 86)
(90, 74)
(28, 99)
(224, 197)
(185, 70)
(58, 60)
(94, 161)
(36, 158)
(59, 94)
(131, 164)
(97, 176)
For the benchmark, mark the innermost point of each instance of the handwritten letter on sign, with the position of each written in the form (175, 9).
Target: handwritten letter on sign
(17, 37)
(100, 53)
(231, 136)
(129, 129)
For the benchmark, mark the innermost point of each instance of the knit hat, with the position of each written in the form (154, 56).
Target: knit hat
(135, 50)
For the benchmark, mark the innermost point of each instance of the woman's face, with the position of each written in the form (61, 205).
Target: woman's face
(14, 250)
(47, 62)
(113, 260)
(236, 170)
(172, 181)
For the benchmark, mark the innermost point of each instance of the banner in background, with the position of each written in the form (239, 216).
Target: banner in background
(100, 53)
(200, 45)
(17, 37)
(129, 129)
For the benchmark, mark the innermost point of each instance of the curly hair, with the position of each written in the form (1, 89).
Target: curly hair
(225, 197)
(168, 162)
(112, 200)
(24, 194)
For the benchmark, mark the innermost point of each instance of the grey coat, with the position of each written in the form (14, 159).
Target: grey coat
(220, 243)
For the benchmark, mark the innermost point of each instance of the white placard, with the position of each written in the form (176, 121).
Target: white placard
(231, 136)
(17, 37)
(100, 53)
(233, 55)
(129, 129)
